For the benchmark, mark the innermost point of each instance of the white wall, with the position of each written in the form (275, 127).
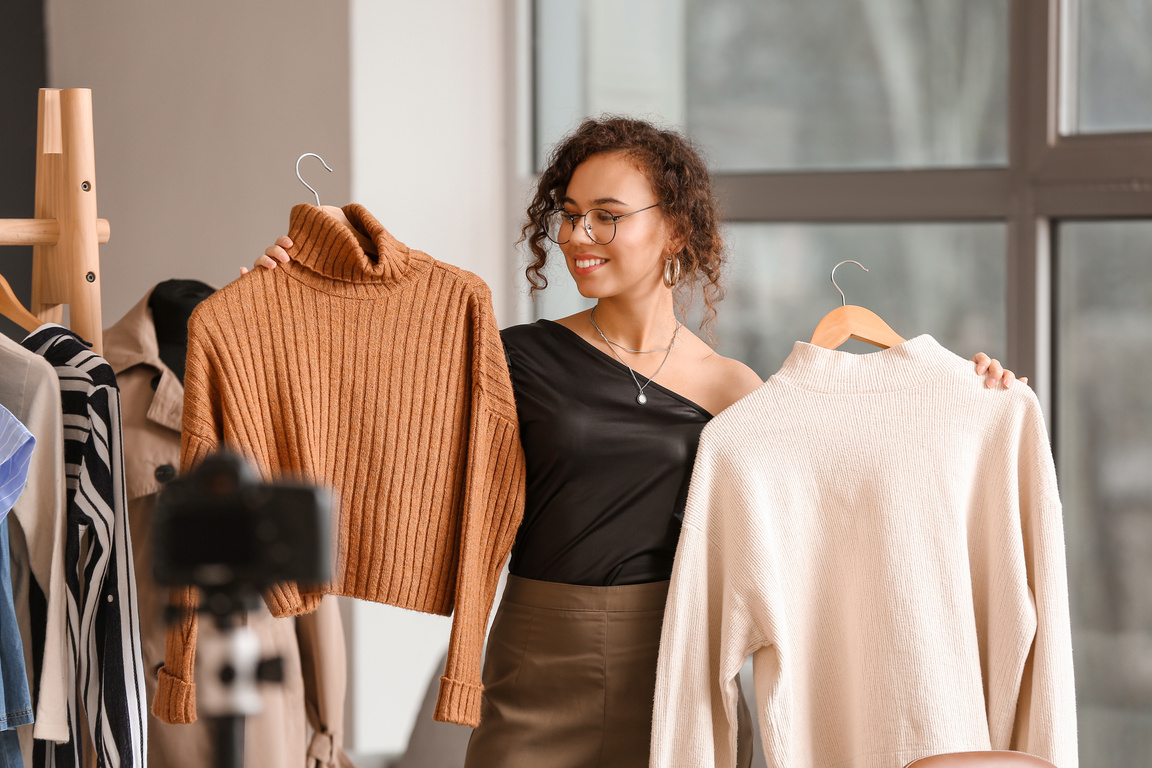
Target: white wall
(200, 112)
(430, 135)
(431, 145)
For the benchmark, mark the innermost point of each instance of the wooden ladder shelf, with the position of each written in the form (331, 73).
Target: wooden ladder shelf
(65, 234)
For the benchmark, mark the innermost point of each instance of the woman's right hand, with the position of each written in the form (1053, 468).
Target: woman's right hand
(275, 254)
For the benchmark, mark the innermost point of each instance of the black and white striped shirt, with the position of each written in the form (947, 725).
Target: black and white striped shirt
(103, 624)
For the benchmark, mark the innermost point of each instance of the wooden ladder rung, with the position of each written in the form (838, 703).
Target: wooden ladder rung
(42, 231)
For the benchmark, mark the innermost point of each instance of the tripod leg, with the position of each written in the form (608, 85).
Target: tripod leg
(230, 741)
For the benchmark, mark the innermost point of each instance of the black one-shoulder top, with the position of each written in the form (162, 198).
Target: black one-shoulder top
(607, 478)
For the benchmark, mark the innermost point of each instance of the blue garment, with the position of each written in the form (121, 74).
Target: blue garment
(10, 750)
(16, 445)
(15, 452)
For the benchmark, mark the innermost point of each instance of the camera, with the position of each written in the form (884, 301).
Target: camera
(221, 530)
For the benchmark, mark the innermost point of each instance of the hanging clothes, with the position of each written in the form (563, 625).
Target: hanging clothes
(102, 621)
(37, 532)
(16, 445)
(312, 646)
(383, 378)
(884, 535)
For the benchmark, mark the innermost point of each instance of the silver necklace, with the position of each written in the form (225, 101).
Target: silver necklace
(618, 345)
(641, 398)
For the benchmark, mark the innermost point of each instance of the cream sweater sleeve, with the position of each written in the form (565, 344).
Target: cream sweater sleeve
(1045, 721)
(708, 628)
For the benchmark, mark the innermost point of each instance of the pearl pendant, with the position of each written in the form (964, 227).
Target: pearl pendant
(641, 398)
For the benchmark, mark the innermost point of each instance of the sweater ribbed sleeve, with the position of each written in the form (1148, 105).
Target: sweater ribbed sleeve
(884, 536)
(175, 700)
(493, 507)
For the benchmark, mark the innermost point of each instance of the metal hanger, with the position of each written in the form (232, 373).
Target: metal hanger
(851, 322)
(310, 189)
(366, 244)
(843, 298)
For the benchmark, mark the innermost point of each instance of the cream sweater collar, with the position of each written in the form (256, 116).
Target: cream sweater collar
(904, 366)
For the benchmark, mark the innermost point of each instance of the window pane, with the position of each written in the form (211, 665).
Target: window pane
(779, 85)
(945, 280)
(1113, 65)
(1104, 454)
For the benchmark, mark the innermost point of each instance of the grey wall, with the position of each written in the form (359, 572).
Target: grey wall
(200, 112)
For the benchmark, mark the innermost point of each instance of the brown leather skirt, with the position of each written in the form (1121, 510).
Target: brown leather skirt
(569, 677)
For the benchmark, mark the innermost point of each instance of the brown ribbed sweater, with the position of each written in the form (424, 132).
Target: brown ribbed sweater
(385, 380)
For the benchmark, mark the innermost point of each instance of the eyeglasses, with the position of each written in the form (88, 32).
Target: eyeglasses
(598, 223)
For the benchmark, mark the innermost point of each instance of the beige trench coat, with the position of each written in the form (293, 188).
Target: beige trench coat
(303, 719)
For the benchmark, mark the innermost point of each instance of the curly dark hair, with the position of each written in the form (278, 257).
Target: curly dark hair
(680, 180)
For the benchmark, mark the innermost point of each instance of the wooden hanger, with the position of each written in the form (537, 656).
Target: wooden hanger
(366, 244)
(852, 322)
(12, 309)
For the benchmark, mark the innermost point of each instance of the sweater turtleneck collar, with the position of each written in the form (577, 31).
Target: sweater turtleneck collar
(325, 253)
(903, 366)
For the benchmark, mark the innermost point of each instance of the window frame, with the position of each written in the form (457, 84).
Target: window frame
(1048, 176)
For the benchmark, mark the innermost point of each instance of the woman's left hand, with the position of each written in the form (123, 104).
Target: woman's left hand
(997, 374)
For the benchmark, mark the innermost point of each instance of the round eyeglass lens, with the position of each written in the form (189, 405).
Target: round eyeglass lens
(558, 227)
(601, 225)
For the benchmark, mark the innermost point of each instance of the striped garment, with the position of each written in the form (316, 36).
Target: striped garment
(104, 629)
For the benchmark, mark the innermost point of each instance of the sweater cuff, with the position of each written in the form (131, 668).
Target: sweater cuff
(458, 702)
(286, 599)
(175, 701)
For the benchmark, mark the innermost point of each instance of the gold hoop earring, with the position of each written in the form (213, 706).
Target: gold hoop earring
(671, 271)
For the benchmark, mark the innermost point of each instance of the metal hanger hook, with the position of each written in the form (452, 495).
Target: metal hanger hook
(310, 154)
(843, 299)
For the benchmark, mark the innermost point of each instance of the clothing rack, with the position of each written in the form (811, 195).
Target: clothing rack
(65, 234)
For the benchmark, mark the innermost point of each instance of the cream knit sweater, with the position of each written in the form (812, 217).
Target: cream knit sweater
(884, 535)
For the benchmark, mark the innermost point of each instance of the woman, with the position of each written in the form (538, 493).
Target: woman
(611, 402)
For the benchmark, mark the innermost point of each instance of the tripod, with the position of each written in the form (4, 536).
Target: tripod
(229, 670)
(221, 530)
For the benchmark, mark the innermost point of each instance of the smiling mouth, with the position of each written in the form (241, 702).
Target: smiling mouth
(586, 263)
